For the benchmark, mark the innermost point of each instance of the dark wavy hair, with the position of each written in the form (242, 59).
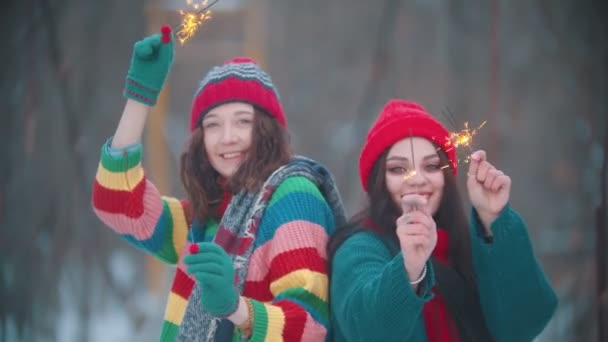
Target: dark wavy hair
(456, 282)
(269, 150)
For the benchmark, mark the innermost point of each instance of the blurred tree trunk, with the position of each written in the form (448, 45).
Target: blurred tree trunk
(64, 62)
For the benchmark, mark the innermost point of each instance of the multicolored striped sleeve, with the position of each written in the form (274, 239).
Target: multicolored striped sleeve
(125, 200)
(287, 272)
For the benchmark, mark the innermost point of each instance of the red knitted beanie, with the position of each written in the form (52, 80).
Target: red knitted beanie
(238, 80)
(399, 120)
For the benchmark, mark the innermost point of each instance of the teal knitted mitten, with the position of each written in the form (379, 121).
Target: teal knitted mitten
(150, 64)
(213, 269)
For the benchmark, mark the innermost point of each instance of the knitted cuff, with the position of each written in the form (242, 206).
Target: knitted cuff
(260, 322)
(136, 91)
(129, 158)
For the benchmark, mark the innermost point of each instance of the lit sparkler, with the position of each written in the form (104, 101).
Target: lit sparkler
(191, 21)
(462, 138)
(465, 136)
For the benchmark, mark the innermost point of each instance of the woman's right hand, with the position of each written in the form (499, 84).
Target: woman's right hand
(417, 233)
(150, 64)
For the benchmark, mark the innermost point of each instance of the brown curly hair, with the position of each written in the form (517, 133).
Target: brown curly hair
(269, 150)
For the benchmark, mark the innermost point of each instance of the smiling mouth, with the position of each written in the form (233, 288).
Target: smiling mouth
(232, 155)
(426, 195)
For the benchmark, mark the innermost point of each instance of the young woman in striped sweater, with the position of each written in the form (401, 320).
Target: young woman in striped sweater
(411, 268)
(249, 242)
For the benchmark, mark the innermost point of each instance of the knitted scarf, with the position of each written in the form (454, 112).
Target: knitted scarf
(237, 232)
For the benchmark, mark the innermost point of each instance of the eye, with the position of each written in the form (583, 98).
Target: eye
(396, 169)
(432, 167)
(245, 122)
(210, 124)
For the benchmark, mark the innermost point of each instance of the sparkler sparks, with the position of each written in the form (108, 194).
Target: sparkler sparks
(463, 139)
(465, 136)
(459, 139)
(191, 21)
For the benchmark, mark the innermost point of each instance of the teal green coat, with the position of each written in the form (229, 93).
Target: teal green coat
(371, 299)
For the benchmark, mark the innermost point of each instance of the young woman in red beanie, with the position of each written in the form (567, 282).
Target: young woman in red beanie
(249, 241)
(411, 267)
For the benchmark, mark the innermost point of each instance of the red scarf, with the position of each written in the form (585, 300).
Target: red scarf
(226, 198)
(437, 321)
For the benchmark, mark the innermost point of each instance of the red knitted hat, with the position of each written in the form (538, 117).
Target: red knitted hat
(399, 120)
(238, 80)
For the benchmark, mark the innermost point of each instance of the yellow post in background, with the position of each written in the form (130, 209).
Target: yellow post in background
(256, 31)
(156, 149)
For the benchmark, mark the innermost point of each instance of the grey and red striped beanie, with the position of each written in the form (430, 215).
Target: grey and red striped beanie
(239, 79)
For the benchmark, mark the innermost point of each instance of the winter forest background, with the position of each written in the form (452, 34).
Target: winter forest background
(534, 69)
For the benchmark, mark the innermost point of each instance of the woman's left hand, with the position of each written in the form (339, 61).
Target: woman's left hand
(213, 269)
(488, 187)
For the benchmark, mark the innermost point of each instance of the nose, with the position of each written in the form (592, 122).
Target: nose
(229, 135)
(414, 178)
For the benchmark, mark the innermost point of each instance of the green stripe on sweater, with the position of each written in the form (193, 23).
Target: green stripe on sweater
(310, 301)
(121, 163)
(260, 322)
(295, 184)
(168, 251)
(169, 332)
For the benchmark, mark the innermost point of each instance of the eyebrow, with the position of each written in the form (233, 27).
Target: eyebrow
(239, 112)
(399, 158)
(243, 112)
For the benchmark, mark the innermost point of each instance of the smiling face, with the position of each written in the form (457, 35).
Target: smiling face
(427, 180)
(228, 131)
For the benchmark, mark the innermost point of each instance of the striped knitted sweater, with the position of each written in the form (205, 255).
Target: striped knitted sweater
(286, 278)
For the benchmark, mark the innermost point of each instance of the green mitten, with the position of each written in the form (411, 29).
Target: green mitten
(150, 64)
(213, 269)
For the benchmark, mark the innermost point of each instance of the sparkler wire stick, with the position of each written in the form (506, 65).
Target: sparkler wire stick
(413, 173)
(447, 114)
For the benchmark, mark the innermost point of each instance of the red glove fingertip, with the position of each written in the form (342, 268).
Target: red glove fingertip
(193, 248)
(166, 32)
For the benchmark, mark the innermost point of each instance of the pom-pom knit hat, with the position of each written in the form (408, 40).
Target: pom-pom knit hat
(237, 80)
(399, 120)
